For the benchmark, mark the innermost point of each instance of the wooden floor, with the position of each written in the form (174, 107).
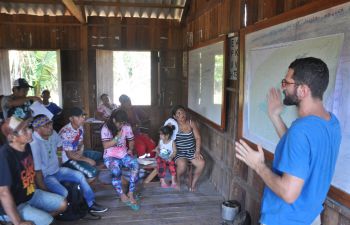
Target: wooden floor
(159, 206)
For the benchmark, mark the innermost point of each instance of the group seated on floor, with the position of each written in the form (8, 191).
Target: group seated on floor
(40, 194)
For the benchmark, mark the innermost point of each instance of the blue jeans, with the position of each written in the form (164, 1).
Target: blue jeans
(84, 167)
(94, 155)
(66, 174)
(38, 207)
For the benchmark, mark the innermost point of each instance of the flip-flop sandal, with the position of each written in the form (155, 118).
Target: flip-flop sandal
(138, 199)
(126, 203)
(133, 206)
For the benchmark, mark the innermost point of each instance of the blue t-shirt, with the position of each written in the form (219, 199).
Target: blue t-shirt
(308, 150)
(45, 153)
(53, 108)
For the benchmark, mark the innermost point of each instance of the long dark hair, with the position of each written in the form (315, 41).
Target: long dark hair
(118, 115)
(167, 130)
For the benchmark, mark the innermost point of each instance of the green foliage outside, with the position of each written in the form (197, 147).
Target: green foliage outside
(39, 68)
(132, 76)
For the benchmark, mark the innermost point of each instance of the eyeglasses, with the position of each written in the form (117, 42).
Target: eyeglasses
(284, 83)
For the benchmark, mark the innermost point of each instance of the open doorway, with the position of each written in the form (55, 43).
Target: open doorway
(124, 72)
(132, 76)
(41, 70)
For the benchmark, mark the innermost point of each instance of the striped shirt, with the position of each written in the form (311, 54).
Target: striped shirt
(185, 145)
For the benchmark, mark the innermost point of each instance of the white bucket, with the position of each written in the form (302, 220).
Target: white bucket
(229, 209)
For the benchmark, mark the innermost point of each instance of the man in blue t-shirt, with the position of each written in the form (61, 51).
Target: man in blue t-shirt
(49, 175)
(306, 154)
(52, 107)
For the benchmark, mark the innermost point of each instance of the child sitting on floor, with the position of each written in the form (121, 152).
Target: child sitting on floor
(166, 151)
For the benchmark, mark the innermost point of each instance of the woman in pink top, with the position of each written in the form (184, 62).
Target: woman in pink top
(115, 135)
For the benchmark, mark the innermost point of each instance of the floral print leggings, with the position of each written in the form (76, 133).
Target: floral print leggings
(115, 165)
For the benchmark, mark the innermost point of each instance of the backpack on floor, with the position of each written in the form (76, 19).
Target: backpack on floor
(77, 207)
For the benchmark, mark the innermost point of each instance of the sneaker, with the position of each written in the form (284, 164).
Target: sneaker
(97, 208)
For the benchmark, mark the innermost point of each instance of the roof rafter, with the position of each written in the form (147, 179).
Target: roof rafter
(185, 12)
(74, 10)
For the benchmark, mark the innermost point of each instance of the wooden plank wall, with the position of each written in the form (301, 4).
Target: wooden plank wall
(38, 32)
(206, 20)
(78, 43)
(209, 19)
(163, 38)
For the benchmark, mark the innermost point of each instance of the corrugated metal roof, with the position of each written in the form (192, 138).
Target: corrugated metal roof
(34, 9)
(161, 9)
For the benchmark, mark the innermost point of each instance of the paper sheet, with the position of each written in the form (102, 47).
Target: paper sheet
(39, 108)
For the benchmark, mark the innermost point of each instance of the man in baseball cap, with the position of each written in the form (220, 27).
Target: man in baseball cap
(21, 82)
(18, 103)
(74, 155)
(49, 175)
(13, 125)
(76, 111)
(17, 179)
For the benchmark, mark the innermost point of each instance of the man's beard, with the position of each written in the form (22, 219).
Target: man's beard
(291, 99)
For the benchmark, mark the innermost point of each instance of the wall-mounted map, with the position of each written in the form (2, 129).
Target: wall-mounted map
(267, 67)
(268, 53)
(206, 73)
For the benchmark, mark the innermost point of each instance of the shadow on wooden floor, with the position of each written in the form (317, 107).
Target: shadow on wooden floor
(159, 206)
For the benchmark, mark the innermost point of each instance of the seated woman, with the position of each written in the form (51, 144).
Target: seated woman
(188, 145)
(115, 134)
(104, 110)
(143, 143)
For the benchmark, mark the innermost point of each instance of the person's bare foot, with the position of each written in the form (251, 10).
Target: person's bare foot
(131, 198)
(124, 198)
(192, 189)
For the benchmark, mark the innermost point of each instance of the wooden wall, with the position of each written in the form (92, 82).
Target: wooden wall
(162, 37)
(78, 43)
(209, 19)
(39, 32)
(206, 20)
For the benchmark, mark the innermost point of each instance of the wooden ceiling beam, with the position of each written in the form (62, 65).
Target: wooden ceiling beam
(185, 11)
(74, 10)
(128, 4)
